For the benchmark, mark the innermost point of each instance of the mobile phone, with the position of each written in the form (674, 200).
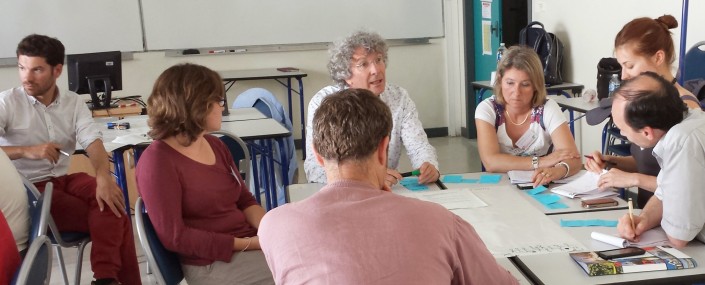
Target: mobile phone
(525, 186)
(599, 203)
(620, 253)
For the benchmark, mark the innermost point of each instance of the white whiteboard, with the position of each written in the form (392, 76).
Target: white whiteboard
(181, 24)
(81, 25)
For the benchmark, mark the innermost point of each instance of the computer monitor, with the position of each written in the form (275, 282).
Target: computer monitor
(91, 73)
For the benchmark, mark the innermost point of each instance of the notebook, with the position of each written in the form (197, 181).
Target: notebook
(584, 187)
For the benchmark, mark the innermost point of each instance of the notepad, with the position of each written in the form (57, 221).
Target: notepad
(652, 237)
(584, 187)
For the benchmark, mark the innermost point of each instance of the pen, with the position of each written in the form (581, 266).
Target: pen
(411, 173)
(631, 213)
(64, 153)
(608, 164)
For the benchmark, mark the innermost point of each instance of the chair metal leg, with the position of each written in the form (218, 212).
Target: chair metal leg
(79, 262)
(62, 265)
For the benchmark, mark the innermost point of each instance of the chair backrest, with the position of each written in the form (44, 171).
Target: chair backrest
(238, 149)
(164, 263)
(39, 208)
(694, 62)
(36, 266)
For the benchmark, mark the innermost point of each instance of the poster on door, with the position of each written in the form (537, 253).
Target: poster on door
(487, 9)
(486, 37)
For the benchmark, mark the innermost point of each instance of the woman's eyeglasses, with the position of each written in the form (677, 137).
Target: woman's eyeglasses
(221, 102)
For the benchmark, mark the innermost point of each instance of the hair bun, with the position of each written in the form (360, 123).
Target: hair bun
(668, 21)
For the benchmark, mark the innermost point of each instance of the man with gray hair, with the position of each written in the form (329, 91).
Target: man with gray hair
(354, 231)
(360, 61)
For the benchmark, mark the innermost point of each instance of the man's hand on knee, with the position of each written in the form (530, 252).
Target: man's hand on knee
(109, 194)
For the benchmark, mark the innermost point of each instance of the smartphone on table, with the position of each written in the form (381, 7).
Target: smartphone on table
(599, 203)
(620, 253)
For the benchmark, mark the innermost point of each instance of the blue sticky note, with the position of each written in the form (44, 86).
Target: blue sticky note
(572, 223)
(588, 223)
(452, 179)
(467, 180)
(546, 199)
(416, 187)
(490, 178)
(556, 206)
(409, 180)
(537, 190)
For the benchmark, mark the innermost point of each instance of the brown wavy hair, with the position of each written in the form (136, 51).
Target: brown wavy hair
(649, 36)
(181, 99)
(350, 124)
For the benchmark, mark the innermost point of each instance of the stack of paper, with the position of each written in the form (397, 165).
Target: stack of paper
(584, 187)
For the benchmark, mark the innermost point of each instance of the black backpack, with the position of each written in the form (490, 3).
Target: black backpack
(548, 47)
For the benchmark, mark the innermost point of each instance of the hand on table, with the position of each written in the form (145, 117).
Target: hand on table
(429, 173)
(393, 177)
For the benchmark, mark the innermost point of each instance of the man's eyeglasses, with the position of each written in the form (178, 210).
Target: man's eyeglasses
(365, 65)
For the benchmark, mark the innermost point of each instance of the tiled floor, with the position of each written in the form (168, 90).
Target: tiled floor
(455, 155)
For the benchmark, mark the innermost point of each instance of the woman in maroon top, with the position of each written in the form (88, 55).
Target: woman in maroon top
(197, 201)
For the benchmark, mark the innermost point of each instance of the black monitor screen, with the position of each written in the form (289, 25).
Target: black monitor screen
(91, 73)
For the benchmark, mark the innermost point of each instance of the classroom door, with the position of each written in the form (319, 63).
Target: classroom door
(487, 22)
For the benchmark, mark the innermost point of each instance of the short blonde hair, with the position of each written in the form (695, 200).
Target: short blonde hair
(525, 59)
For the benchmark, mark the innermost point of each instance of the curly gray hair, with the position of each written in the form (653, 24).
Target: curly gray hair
(341, 53)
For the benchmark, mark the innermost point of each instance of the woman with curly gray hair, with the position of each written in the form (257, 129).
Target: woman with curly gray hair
(360, 61)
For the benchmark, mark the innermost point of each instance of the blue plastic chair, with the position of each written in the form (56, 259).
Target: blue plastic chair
(694, 63)
(238, 150)
(165, 264)
(61, 239)
(36, 266)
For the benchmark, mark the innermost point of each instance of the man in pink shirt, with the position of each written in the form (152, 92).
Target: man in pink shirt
(354, 230)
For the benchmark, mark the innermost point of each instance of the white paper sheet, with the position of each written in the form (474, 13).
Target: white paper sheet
(652, 237)
(584, 187)
(453, 199)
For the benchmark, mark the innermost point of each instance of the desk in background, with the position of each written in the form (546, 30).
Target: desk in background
(248, 128)
(231, 76)
(575, 104)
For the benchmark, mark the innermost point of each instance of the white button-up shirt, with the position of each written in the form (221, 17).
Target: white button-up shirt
(24, 121)
(407, 132)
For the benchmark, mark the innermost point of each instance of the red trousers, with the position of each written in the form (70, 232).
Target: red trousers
(75, 208)
(9, 257)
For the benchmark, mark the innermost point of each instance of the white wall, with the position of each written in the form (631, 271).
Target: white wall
(588, 28)
(421, 69)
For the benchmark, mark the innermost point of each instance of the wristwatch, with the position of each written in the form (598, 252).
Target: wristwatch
(535, 162)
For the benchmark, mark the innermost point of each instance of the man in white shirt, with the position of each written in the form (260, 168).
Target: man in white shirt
(38, 124)
(650, 113)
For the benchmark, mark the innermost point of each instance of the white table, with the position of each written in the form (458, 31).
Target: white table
(247, 123)
(243, 114)
(574, 205)
(298, 192)
(559, 268)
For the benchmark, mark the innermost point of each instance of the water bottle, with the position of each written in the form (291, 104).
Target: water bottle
(500, 51)
(614, 84)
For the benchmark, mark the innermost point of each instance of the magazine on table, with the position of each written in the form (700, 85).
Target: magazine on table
(655, 259)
